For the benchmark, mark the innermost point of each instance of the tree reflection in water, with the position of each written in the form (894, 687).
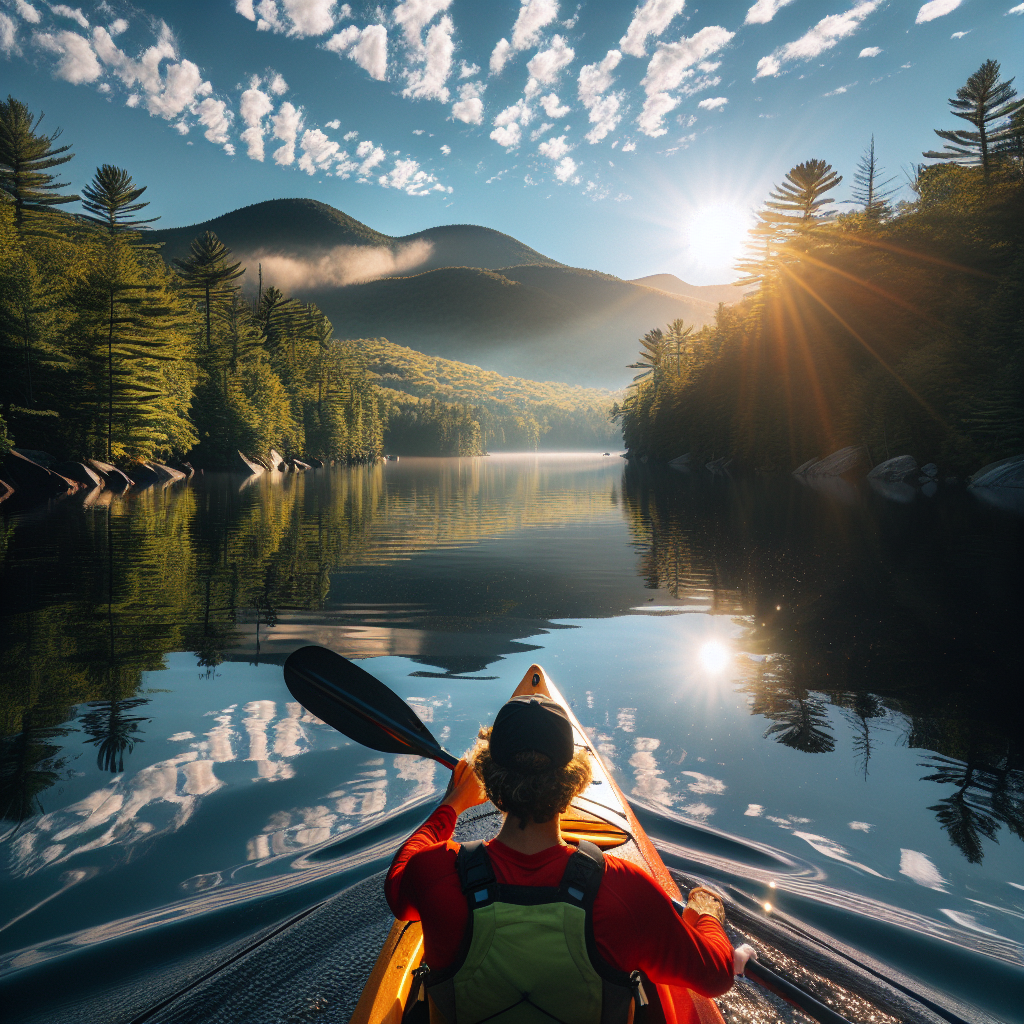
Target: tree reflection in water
(113, 730)
(906, 614)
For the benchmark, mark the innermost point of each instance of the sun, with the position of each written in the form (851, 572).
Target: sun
(716, 234)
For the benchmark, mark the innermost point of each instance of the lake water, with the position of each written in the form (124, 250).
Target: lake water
(831, 679)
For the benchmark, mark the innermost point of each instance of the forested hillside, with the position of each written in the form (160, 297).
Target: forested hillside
(896, 329)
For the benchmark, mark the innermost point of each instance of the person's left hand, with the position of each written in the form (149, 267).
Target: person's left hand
(464, 790)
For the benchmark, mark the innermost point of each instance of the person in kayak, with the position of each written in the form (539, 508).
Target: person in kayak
(526, 928)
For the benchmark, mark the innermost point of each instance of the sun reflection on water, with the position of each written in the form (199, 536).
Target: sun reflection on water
(714, 656)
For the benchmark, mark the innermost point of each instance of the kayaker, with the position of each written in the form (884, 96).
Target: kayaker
(525, 920)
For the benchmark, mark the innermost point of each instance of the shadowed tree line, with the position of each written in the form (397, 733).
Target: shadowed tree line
(898, 328)
(900, 620)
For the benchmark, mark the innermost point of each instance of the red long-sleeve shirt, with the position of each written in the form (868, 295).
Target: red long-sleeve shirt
(635, 925)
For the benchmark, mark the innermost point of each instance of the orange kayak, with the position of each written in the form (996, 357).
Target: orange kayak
(601, 814)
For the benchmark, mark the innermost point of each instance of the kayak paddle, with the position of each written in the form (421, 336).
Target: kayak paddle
(361, 707)
(347, 697)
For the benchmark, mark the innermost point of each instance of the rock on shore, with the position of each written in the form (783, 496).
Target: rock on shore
(112, 476)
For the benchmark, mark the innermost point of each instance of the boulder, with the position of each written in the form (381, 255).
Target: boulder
(247, 466)
(681, 461)
(299, 466)
(168, 474)
(1007, 473)
(930, 489)
(277, 462)
(894, 470)
(80, 473)
(6, 490)
(316, 463)
(144, 475)
(184, 467)
(804, 466)
(931, 470)
(44, 459)
(112, 476)
(34, 479)
(838, 463)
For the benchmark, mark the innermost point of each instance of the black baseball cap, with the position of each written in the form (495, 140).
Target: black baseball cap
(534, 724)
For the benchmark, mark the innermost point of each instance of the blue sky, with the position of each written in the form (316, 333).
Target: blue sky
(632, 139)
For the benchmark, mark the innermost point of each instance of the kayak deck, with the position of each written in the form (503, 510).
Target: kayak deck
(602, 815)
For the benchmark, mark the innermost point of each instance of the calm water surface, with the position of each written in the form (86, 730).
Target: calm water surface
(830, 680)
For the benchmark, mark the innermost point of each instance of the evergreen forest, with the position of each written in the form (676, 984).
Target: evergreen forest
(897, 328)
(113, 353)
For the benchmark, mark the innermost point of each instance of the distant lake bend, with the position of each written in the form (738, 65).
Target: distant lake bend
(836, 684)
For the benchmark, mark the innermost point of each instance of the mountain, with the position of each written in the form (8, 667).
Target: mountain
(459, 291)
(304, 227)
(715, 293)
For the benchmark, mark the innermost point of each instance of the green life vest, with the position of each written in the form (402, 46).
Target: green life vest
(528, 955)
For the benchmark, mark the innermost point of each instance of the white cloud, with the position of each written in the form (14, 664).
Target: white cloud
(468, 70)
(1019, 9)
(446, 150)
(287, 122)
(754, 810)
(469, 108)
(763, 11)
(870, 51)
(594, 81)
(419, 131)
(566, 169)
(278, 86)
(408, 177)
(546, 65)
(823, 36)
(8, 35)
(349, 136)
(671, 63)
(370, 155)
(835, 92)
(713, 104)
(117, 26)
(919, 867)
(318, 151)
(508, 136)
(27, 12)
(333, 125)
(553, 106)
(649, 20)
(533, 16)
(936, 9)
(414, 15)
(499, 56)
(861, 826)
(542, 129)
(253, 107)
(705, 784)
(629, 147)
(428, 82)
(217, 119)
(301, 18)
(78, 63)
(74, 13)
(960, 35)
(554, 149)
(368, 47)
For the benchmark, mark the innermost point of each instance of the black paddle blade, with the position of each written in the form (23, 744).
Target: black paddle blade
(347, 697)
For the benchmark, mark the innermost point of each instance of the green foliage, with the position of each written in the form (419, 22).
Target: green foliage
(983, 102)
(111, 200)
(903, 336)
(25, 157)
(869, 190)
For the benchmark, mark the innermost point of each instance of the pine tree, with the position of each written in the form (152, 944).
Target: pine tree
(25, 157)
(983, 101)
(207, 275)
(110, 199)
(868, 190)
(792, 210)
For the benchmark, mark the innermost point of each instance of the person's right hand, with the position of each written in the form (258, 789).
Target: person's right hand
(465, 789)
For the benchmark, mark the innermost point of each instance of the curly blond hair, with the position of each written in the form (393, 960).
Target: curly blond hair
(536, 793)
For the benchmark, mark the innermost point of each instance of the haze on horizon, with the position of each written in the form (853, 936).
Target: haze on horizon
(630, 139)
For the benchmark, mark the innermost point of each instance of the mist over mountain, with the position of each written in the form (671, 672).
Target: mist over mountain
(460, 291)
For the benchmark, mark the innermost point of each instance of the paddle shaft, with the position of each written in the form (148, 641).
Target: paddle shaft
(797, 997)
(377, 717)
